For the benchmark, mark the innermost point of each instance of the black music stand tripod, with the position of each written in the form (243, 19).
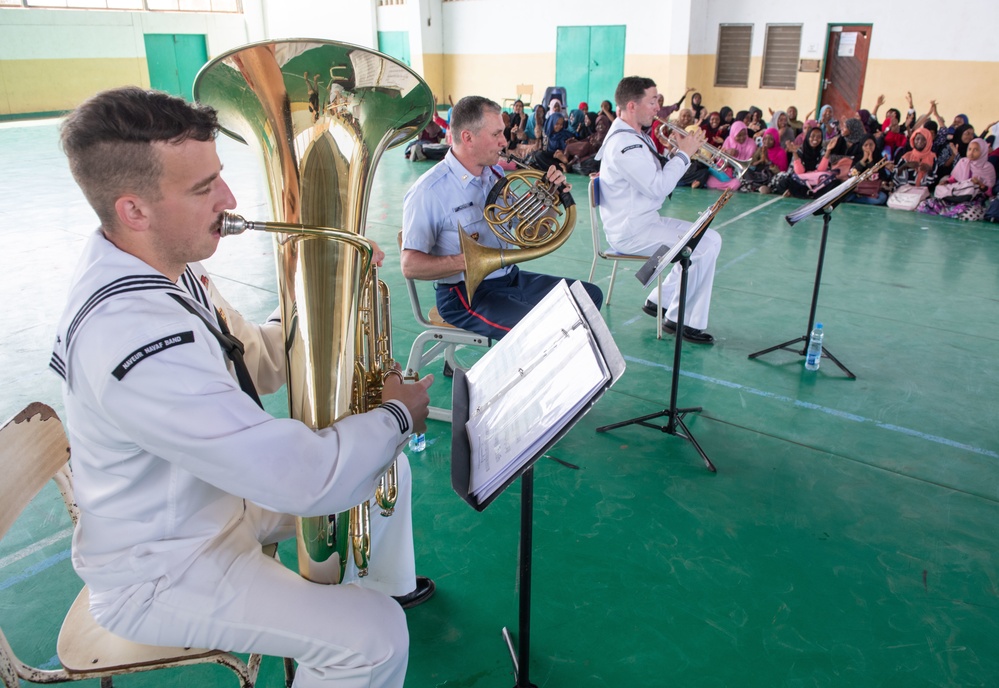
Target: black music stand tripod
(675, 425)
(826, 212)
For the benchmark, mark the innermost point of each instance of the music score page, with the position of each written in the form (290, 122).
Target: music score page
(527, 387)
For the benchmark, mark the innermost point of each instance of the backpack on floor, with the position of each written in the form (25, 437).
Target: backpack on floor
(992, 211)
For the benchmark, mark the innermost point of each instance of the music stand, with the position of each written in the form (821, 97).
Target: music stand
(823, 205)
(467, 453)
(679, 253)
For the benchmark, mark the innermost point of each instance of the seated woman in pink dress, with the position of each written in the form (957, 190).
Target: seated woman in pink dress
(741, 147)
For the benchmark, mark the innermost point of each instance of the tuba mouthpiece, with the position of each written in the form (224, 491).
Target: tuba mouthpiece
(233, 224)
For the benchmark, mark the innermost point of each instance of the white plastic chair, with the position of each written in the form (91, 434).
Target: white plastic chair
(593, 192)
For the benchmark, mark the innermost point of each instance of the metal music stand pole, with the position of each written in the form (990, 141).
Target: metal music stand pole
(675, 426)
(522, 656)
(789, 345)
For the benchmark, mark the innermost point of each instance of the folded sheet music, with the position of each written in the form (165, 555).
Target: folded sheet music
(528, 387)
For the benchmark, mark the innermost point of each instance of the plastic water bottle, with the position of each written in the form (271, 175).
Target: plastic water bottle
(814, 353)
(418, 442)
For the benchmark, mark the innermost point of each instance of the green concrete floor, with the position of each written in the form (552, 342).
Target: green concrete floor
(848, 539)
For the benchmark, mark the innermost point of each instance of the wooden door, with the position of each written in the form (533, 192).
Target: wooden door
(845, 68)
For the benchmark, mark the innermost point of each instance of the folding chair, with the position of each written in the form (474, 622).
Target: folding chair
(593, 191)
(33, 450)
(443, 339)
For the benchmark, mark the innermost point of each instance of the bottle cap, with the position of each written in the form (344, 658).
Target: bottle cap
(818, 326)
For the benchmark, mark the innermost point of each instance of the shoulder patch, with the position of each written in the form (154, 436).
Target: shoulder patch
(150, 349)
(634, 145)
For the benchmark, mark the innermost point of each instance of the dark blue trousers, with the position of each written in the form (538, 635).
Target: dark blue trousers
(499, 303)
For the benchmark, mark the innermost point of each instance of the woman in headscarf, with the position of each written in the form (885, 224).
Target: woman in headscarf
(768, 161)
(755, 123)
(556, 138)
(965, 192)
(921, 158)
(727, 117)
(781, 123)
(811, 164)
(793, 121)
(711, 126)
(700, 112)
(871, 190)
(809, 125)
(850, 140)
(740, 146)
(828, 125)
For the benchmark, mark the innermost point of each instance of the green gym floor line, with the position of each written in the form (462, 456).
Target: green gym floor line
(848, 539)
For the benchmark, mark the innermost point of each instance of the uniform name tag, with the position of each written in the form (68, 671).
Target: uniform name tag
(144, 352)
(628, 148)
(462, 207)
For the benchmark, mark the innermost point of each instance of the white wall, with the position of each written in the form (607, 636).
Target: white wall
(77, 34)
(350, 21)
(503, 27)
(917, 30)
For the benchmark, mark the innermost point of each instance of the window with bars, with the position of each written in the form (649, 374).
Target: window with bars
(780, 56)
(734, 43)
(383, 3)
(147, 5)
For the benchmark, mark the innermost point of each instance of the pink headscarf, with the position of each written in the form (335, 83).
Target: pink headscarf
(744, 150)
(966, 168)
(777, 155)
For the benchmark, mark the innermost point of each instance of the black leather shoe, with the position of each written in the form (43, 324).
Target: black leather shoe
(690, 334)
(650, 309)
(424, 591)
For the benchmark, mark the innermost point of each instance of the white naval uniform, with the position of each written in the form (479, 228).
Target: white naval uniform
(633, 187)
(180, 477)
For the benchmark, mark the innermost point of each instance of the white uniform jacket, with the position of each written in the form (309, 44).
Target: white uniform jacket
(633, 186)
(166, 446)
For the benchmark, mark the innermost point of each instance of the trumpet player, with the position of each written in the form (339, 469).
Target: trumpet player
(453, 193)
(634, 183)
(179, 473)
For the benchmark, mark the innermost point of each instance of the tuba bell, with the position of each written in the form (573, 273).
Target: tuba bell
(320, 142)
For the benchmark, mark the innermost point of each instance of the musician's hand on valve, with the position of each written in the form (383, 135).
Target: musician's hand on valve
(413, 395)
(690, 143)
(557, 177)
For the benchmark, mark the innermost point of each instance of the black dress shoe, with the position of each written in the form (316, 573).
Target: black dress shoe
(650, 309)
(424, 591)
(690, 334)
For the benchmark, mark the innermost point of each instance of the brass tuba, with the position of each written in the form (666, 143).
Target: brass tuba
(320, 141)
(526, 210)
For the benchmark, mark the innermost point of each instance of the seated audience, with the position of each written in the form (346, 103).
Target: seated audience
(921, 158)
(965, 192)
(871, 191)
(740, 146)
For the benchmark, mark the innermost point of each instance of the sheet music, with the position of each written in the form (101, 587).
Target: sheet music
(822, 201)
(527, 387)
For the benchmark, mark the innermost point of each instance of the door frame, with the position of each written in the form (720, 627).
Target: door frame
(825, 54)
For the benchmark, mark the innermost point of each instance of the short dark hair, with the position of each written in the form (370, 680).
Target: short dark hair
(631, 88)
(108, 140)
(469, 112)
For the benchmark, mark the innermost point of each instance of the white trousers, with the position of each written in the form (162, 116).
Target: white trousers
(235, 598)
(700, 274)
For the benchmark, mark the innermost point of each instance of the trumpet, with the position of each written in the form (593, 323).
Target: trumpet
(711, 156)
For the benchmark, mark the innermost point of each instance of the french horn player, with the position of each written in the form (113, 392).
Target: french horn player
(462, 195)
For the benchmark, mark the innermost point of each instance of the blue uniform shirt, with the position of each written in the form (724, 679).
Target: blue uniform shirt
(444, 197)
